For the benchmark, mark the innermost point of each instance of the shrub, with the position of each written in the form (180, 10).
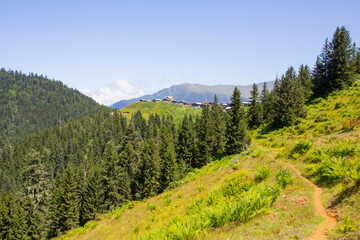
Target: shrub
(195, 206)
(151, 207)
(91, 224)
(261, 174)
(354, 174)
(338, 105)
(351, 123)
(301, 147)
(332, 170)
(283, 177)
(167, 202)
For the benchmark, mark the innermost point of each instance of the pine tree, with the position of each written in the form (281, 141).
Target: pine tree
(185, 145)
(13, 223)
(110, 177)
(129, 161)
(255, 113)
(205, 136)
(237, 136)
(219, 122)
(336, 64)
(342, 63)
(358, 61)
(92, 197)
(305, 81)
(149, 171)
(169, 168)
(64, 204)
(32, 219)
(321, 71)
(266, 99)
(140, 124)
(289, 103)
(36, 179)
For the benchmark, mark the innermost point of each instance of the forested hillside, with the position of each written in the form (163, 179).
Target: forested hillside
(209, 176)
(30, 103)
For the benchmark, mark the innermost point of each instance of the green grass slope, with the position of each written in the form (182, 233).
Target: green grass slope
(163, 109)
(257, 194)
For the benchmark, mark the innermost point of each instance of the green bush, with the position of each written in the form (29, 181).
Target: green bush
(283, 177)
(151, 207)
(332, 170)
(261, 174)
(167, 202)
(301, 147)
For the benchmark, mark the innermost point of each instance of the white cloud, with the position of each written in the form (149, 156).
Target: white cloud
(116, 91)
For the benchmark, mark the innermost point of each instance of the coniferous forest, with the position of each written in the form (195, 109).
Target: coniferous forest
(65, 158)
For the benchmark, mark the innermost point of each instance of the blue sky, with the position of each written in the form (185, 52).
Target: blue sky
(114, 50)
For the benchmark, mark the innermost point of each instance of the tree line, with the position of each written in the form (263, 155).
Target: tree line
(335, 69)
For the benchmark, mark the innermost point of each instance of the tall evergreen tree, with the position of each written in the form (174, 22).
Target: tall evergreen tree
(169, 168)
(64, 205)
(342, 62)
(321, 71)
(219, 123)
(336, 64)
(358, 61)
(186, 145)
(205, 136)
(255, 114)
(129, 160)
(237, 136)
(36, 179)
(289, 104)
(266, 99)
(32, 220)
(149, 171)
(110, 172)
(92, 197)
(305, 81)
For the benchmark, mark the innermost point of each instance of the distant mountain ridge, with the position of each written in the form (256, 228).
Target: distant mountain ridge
(197, 93)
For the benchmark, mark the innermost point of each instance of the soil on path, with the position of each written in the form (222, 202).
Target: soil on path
(330, 222)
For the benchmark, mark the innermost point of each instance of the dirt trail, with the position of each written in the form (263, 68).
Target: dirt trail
(329, 223)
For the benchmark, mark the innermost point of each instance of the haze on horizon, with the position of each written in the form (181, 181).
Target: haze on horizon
(113, 50)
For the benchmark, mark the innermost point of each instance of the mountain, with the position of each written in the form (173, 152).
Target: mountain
(196, 93)
(30, 103)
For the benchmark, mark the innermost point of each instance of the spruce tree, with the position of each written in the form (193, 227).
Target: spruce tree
(185, 145)
(266, 100)
(358, 61)
(219, 125)
(342, 63)
(236, 132)
(92, 197)
(32, 219)
(36, 179)
(255, 110)
(289, 103)
(129, 161)
(205, 136)
(169, 168)
(305, 81)
(321, 71)
(110, 172)
(149, 171)
(64, 205)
